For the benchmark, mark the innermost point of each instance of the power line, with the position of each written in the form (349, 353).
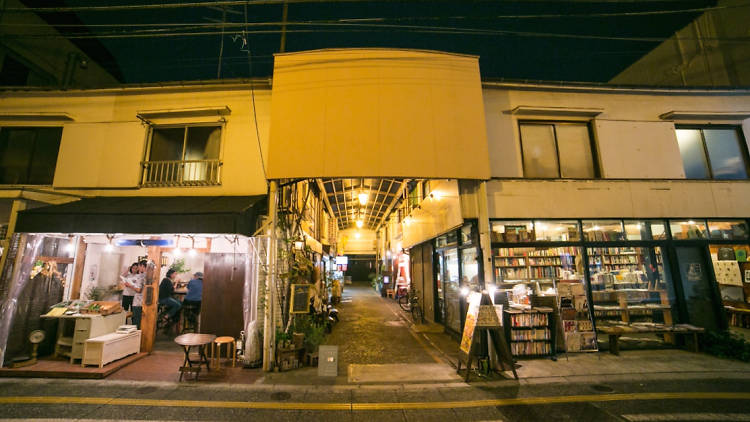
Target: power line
(464, 17)
(362, 27)
(229, 3)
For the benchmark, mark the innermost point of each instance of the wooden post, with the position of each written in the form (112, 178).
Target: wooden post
(150, 299)
(75, 288)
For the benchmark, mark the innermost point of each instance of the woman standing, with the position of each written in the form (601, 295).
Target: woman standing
(127, 291)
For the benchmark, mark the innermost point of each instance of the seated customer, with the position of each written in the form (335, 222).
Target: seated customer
(166, 290)
(194, 291)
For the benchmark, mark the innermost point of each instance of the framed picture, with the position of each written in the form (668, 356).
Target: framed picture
(300, 303)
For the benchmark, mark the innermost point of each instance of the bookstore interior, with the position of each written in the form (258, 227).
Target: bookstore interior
(622, 268)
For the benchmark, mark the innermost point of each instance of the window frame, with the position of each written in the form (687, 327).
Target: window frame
(554, 123)
(34, 148)
(745, 154)
(221, 124)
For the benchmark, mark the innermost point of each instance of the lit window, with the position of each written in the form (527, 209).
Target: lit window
(554, 150)
(716, 153)
(28, 155)
(183, 156)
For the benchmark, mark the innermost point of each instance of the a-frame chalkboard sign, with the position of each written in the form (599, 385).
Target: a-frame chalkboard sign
(483, 315)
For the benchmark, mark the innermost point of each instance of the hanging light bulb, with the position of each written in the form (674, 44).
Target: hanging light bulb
(363, 197)
(360, 223)
(192, 251)
(357, 235)
(109, 247)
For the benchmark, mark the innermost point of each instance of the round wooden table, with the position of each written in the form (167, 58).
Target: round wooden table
(194, 340)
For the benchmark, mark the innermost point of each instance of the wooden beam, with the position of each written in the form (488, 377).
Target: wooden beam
(150, 299)
(80, 261)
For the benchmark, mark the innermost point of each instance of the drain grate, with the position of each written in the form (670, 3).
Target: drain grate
(602, 388)
(281, 396)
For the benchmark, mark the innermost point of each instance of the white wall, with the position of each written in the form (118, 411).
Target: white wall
(632, 141)
(435, 215)
(358, 241)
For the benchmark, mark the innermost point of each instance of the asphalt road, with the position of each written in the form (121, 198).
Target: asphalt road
(658, 400)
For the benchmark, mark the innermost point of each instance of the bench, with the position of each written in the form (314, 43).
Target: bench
(614, 333)
(110, 347)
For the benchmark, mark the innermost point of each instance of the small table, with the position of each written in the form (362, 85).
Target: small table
(191, 340)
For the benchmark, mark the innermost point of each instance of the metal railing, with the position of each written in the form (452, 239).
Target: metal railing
(181, 173)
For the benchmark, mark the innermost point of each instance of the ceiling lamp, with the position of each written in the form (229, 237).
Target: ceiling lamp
(360, 223)
(363, 197)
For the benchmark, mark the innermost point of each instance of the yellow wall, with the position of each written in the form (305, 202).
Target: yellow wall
(602, 199)
(434, 216)
(102, 149)
(365, 244)
(378, 113)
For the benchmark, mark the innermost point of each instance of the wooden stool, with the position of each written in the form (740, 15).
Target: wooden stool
(228, 341)
(390, 293)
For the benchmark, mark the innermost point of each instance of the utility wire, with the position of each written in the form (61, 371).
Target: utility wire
(161, 33)
(463, 17)
(252, 99)
(229, 3)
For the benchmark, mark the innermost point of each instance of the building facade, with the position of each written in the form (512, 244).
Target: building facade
(636, 193)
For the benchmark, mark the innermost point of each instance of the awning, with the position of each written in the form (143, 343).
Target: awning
(144, 215)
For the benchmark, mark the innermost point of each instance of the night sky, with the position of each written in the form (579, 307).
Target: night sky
(509, 45)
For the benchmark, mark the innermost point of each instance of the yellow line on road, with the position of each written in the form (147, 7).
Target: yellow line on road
(114, 401)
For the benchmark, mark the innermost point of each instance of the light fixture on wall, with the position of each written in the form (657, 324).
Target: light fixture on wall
(70, 247)
(192, 251)
(109, 248)
(299, 244)
(177, 251)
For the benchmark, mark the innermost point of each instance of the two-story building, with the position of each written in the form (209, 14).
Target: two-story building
(456, 183)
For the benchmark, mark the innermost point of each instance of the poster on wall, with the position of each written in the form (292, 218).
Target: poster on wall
(471, 322)
(728, 273)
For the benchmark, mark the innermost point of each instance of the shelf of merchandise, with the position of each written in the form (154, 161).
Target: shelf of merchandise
(576, 319)
(530, 264)
(518, 323)
(627, 309)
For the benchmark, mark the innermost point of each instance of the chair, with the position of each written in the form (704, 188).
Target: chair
(190, 318)
(229, 341)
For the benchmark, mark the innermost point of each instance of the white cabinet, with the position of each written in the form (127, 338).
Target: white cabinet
(110, 347)
(89, 326)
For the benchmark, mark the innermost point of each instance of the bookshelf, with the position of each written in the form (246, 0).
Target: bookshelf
(632, 305)
(575, 316)
(514, 265)
(530, 332)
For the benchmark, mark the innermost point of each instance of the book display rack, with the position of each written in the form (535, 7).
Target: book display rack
(530, 331)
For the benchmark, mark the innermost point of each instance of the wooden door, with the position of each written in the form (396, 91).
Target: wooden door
(223, 282)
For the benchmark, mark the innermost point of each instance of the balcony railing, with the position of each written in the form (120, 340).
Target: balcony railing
(181, 173)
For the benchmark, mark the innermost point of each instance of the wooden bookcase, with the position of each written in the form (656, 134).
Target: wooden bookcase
(530, 332)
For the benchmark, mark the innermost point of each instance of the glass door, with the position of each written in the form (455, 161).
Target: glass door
(452, 290)
(697, 287)
(439, 291)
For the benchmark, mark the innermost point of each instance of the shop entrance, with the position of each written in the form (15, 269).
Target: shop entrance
(698, 289)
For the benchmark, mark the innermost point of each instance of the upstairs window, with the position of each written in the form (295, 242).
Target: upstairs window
(712, 153)
(557, 150)
(28, 155)
(183, 156)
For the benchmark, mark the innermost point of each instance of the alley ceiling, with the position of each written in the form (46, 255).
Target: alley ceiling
(344, 196)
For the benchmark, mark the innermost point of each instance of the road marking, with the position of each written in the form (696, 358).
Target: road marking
(646, 417)
(119, 401)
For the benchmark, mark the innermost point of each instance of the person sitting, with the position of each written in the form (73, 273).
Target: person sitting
(166, 290)
(194, 291)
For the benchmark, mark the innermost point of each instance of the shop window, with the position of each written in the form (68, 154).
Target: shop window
(602, 230)
(715, 153)
(557, 231)
(728, 230)
(28, 155)
(645, 230)
(512, 231)
(557, 150)
(731, 269)
(688, 229)
(183, 156)
(631, 286)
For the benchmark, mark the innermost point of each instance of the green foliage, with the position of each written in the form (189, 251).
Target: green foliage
(179, 266)
(315, 334)
(726, 344)
(100, 293)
